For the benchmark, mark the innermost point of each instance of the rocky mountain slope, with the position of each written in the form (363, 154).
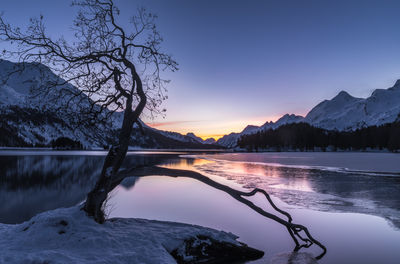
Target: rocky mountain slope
(32, 118)
(29, 116)
(342, 113)
(345, 112)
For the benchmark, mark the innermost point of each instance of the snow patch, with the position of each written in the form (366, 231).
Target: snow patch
(67, 235)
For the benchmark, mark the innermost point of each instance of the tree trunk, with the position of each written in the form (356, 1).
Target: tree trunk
(108, 178)
(107, 181)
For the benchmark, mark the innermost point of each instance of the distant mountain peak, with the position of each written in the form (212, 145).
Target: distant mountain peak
(249, 129)
(26, 121)
(343, 95)
(343, 112)
(210, 141)
(194, 137)
(290, 116)
(267, 123)
(397, 84)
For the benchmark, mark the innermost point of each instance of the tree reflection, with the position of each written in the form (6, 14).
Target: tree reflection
(31, 184)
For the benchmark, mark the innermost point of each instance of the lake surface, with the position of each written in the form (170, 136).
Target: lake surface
(349, 201)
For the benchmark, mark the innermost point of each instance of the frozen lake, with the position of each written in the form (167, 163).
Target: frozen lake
(347, 202)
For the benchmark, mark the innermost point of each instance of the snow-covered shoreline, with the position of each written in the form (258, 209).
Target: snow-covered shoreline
(67, 235)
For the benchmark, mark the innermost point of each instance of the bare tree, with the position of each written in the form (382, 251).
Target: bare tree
(115, 68)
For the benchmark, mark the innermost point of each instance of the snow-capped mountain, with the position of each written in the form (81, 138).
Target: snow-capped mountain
(188, 138)
(15, 88)
(286, 119)
(30, 116)
(343, 112)
(209, 141)
(250, 129)
(195, 138)
(230, 141)
(199, 139)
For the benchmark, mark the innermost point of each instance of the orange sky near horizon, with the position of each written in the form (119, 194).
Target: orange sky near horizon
(210, 129)
(221, 87)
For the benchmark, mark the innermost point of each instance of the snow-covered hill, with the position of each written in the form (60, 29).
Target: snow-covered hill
(31, 116)
(230, 141)
(209, 141)
(343, 113)
(286, 119)
(188, 138)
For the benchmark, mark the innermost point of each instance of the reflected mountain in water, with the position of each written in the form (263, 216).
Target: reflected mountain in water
(35, 183)
(31, 184)
(325, 190)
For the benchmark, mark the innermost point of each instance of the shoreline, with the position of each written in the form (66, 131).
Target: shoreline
(216, 150)
(160, 198)
(67, 235)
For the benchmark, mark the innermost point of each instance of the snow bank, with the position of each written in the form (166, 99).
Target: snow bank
(67, 235)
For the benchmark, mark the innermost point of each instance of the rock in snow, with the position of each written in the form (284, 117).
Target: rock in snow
(67, 235)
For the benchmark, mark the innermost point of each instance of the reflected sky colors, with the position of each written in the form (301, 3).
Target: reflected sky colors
(318, 180)
(355, 215)
(246, 62)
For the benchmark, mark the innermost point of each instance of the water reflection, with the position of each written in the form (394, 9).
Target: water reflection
(317, 189)
(350, 238)
(185, 163)
(30, 184)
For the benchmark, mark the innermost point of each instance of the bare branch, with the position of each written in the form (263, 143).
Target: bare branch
(299, 233)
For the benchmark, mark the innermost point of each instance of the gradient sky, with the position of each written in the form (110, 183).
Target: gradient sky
(248, 62)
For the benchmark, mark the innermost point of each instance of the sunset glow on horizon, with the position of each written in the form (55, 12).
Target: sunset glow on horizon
(209, 129)
(301, 54)
(200, 131)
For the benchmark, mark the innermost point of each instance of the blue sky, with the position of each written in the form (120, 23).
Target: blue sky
(247, 62)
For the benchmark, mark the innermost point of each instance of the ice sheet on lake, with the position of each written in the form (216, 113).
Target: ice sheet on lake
(310, 187)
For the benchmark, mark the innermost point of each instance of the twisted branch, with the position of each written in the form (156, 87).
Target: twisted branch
(296, 231)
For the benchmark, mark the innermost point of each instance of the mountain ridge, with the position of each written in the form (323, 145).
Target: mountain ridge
(29, 118)
(343, 112)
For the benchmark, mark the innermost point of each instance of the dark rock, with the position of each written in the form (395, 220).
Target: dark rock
(203, 249)
(63, 222)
